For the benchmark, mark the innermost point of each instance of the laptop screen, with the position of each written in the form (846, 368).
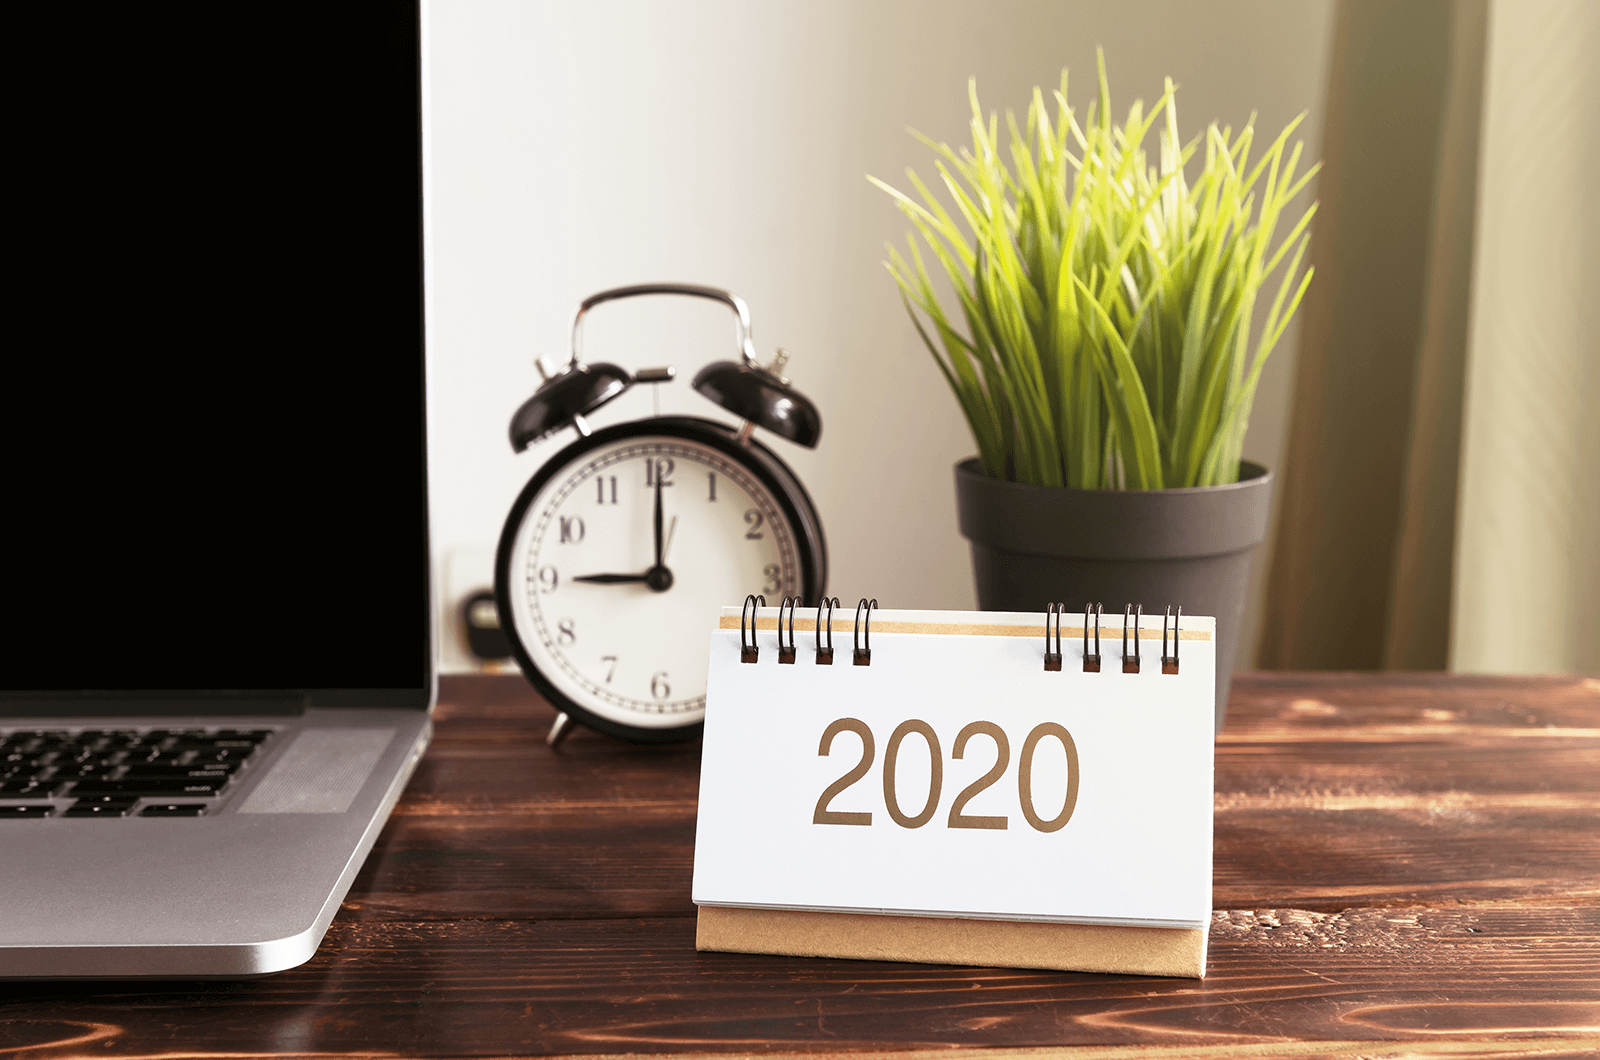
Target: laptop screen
(213, 420)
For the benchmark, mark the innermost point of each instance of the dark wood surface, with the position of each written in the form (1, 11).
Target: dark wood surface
(1406, 865)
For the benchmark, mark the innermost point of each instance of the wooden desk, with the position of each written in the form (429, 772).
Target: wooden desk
(1405, 866)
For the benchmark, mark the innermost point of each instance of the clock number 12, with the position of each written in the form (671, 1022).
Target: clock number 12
(659, 469)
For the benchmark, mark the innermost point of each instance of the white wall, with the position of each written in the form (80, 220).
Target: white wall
(582, 146)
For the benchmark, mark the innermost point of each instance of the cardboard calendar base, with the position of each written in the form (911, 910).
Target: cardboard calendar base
(941, 940)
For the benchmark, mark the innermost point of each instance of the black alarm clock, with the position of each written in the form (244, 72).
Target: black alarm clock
(620, 552)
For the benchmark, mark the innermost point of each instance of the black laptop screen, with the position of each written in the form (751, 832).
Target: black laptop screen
(214, 462)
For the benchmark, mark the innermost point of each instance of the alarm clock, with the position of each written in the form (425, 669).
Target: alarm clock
(622, 548)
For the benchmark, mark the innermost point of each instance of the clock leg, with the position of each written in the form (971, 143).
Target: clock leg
(559, 731)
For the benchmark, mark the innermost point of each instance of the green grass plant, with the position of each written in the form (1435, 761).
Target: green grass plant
(1107, 303)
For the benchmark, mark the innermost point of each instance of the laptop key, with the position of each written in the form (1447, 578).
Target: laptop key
(215, 771)
(242, 748)
(174, 809)
(222, 754)
(86, 765)
(36, 810)
(155, 788)
(98, 809)
(66, 773)
(27, 789)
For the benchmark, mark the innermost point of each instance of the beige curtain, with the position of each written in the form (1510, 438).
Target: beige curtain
(1527, 562)
(1441, 490)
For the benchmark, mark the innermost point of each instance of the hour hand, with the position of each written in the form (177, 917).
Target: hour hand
(613, 579)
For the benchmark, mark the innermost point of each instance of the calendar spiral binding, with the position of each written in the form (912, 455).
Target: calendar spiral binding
(861, 653)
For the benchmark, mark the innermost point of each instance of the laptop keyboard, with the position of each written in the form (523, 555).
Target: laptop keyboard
(120, 772)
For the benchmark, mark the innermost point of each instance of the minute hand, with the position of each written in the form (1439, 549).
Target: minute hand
(612, 579)
(657, 521)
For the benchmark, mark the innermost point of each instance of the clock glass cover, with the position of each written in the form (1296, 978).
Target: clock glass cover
(620, 554)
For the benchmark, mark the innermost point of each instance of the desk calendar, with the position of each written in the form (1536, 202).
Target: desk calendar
(959, 787)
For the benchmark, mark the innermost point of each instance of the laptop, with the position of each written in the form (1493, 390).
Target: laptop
(216, 648)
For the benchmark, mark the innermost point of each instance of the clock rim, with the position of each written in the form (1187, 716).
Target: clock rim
(768, 468)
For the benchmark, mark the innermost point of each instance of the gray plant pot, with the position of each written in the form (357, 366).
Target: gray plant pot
(1034, 545)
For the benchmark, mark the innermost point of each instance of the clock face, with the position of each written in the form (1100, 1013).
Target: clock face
(617, 628)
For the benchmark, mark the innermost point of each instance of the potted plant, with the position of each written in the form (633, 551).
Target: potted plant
(1101, 350)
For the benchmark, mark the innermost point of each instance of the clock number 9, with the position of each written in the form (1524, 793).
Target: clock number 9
(548, 579)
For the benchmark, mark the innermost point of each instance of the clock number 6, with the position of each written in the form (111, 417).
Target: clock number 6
(658, 685)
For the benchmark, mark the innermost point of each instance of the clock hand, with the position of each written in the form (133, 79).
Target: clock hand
(657, 523)
(658, 577)
(672, 528)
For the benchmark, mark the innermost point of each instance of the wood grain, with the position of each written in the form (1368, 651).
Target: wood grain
(527, 986)
(1405, 866)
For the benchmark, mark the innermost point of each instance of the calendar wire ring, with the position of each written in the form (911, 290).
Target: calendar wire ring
(1091, 660)
(786, 652)
(862, 655)
(825, 654)
(748, 651)
(1169, 663)
(1052, 655)
(1135, 612)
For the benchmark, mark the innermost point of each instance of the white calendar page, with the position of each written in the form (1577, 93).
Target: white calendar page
(1134, 850)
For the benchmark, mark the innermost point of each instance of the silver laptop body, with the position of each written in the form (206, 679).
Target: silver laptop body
(246, 889)
(216, 663)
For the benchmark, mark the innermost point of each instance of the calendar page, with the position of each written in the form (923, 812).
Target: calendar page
(955, 776)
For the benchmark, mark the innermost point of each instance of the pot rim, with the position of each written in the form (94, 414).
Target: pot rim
(1252, 475)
